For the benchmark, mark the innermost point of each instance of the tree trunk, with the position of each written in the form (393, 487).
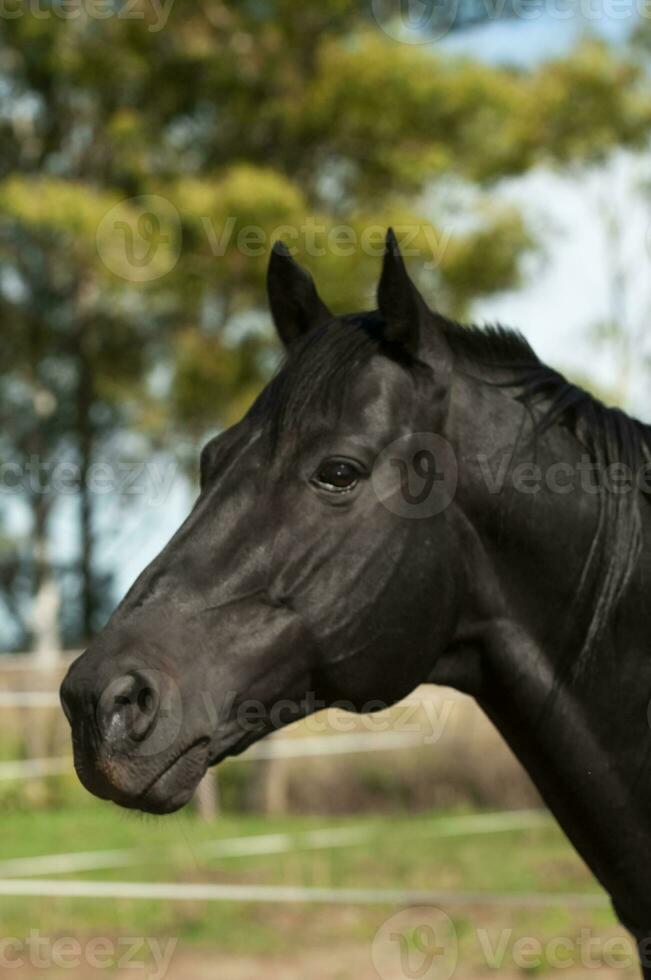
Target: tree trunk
(86, 446)
(46, 636)
(86, 435)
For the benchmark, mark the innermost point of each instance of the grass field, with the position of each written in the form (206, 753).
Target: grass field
(397, 852)
(275, 941)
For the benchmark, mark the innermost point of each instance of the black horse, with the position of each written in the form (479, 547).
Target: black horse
(408, 501)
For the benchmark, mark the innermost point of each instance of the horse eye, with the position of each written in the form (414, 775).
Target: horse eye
(337, 475)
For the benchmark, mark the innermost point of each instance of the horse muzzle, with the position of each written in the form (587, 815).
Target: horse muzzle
(135, 741)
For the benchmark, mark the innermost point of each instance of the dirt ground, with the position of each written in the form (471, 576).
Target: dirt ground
(346, 962)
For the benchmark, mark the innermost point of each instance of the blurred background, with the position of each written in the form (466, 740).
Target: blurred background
(150, 153)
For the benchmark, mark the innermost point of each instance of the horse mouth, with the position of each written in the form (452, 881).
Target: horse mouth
(175, 784)
(237, 746)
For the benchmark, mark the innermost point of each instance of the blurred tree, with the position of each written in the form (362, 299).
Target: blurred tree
(623, 332)
(13, 590)
(619, 193)
(150, 157)
(73, 350)
(641, 39)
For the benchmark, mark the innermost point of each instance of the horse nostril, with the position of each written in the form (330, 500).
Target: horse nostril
(129, 707)
(147, 700)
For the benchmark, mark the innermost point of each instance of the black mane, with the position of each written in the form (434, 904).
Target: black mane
(492, 344)
(610, 437)
(320, 366)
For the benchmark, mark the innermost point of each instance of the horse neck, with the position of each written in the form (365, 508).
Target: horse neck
(583, 733)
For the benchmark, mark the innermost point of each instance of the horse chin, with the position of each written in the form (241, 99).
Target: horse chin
(166, 791)
(176, 785)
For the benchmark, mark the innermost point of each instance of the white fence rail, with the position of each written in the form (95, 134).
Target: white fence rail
(34, 768)
(18, 872)
(12, 662)
(325, 838)
(29, 699)
(45, 888)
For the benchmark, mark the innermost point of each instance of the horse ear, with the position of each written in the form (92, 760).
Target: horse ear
(404, 310)
(295, 304)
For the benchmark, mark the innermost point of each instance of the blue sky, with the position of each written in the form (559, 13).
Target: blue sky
(526, 42)
(566, 291)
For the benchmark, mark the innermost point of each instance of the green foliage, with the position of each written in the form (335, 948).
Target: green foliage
(641, 39)
(587, 105)
(213, 381)
(237, 122)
